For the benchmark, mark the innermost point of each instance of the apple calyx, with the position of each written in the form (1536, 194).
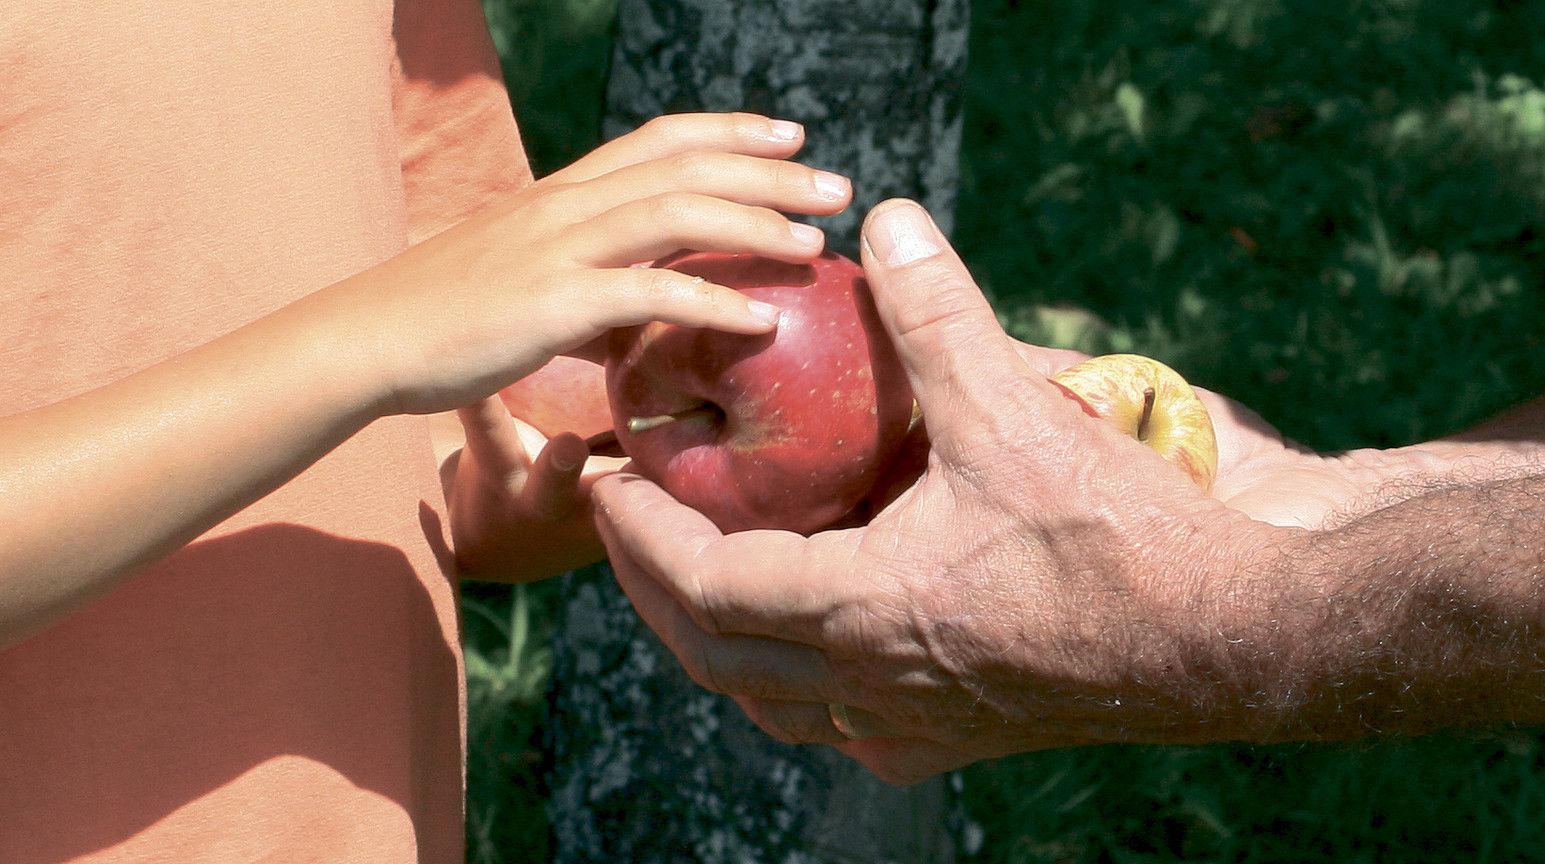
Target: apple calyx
(786, 430)
(1150, 402)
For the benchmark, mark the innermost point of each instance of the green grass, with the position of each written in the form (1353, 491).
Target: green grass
(1329, 209)
(508, 663)
(1439, 800)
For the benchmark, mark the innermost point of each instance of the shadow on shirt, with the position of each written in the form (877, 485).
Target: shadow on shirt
(205, 672)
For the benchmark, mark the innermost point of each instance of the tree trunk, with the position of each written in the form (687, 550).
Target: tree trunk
(647, 766)
(877, 84)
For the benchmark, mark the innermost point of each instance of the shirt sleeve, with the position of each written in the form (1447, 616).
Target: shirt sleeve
(459, 144)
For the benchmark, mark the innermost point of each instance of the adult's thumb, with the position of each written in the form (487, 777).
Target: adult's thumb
(944, 331)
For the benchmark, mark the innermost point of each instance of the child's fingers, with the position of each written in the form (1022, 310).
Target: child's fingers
(773, 183)
(601, 300)
(652, 227)
(552, 488)
(493, 437)
(751, 134)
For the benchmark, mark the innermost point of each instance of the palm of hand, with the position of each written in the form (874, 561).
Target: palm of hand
(1278, 481)
(1260, 473)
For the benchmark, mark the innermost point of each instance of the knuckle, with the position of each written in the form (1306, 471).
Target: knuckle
(946, 315)
(808, 727)
(700, 668)
(551, 207)
(669, 208)
(770, 221)
(796, 724)
(896, 774)
(696, 648)
(695, 596)
(556, 309)
(705, 609)
(666, 127)
(745, 125)
(788, 176)
(768, 721)
(849, 679)
(693, 168)
(658, 283)
(748, 120)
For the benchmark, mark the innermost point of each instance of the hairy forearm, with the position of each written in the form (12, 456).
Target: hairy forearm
(1425, 613)
(97, 485)
(1522, 426)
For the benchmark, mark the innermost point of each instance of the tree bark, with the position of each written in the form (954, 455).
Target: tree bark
(877, 84)
(647, 767)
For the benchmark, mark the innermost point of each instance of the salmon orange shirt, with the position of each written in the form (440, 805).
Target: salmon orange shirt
(287, 688)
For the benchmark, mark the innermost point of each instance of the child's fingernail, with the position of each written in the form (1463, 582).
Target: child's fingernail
(785, 130)
(567, 458)
(902, 234)
(807, 235)
(764, 313)
(832, 187)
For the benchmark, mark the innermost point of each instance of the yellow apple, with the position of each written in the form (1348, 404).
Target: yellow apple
(1150, 402)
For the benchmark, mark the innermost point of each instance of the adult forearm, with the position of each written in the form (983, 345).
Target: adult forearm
(1425, 613)
(97, 485)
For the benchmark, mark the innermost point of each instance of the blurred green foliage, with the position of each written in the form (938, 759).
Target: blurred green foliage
(555, 55)
(1329, 210)
(508, 663)
(1332, 210)
(1441, 800)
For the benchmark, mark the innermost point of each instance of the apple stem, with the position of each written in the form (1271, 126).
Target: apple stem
(1142, 423)
(644, 424)
(603, 443)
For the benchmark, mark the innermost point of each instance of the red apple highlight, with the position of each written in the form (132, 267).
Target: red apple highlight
(786, 430)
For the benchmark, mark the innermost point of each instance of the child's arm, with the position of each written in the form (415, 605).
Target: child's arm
(97, 485)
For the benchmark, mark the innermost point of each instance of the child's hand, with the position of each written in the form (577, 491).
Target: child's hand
(520, 503)
(455, 318)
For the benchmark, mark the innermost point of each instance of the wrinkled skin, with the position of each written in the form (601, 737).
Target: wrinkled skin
(1046, 582)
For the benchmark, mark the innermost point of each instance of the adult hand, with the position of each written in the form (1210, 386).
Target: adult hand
(1276, 480)
(1049, 582)
(1046, 582)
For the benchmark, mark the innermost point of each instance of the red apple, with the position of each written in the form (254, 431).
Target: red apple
(566, 395)
(899, 474)
(786, 430)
